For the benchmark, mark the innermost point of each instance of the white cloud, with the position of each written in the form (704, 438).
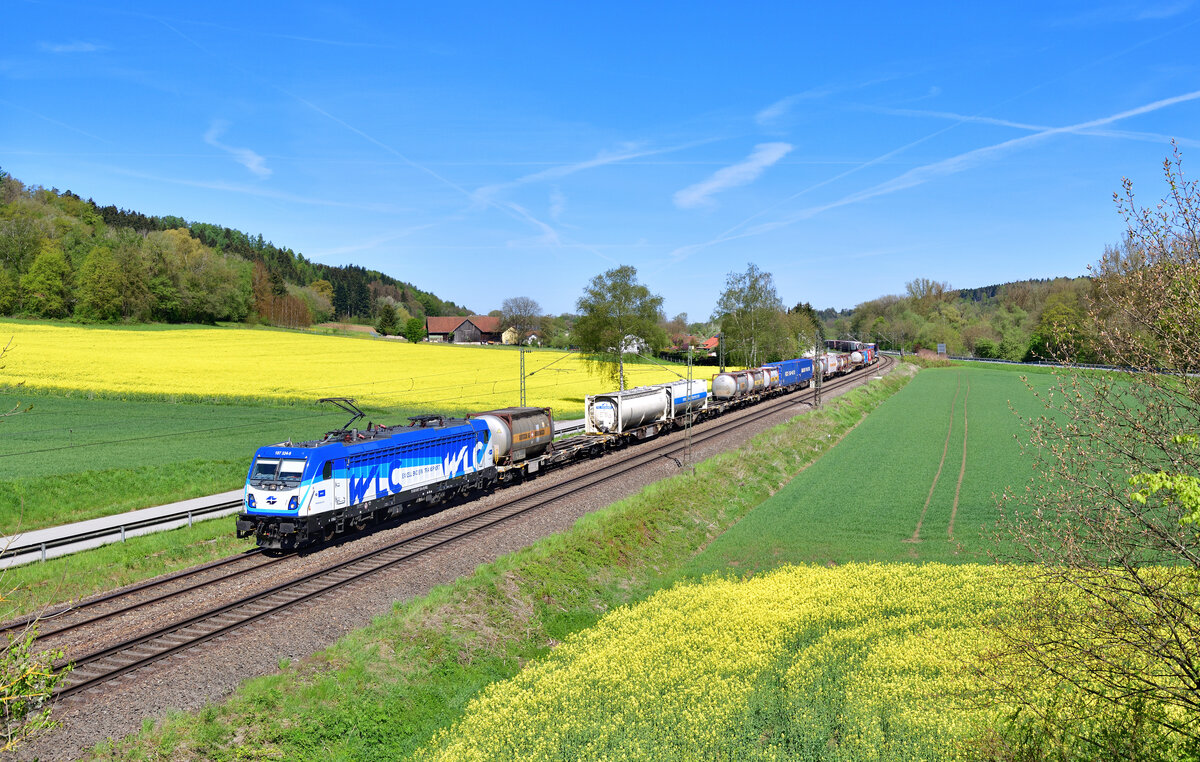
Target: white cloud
(70, 47)
(244, 156)
(1148, 137)
(971, 159)
(624, 153)
(773, 114)
(549, 236)
(743, 173)
(777, 110)
(1164, 10)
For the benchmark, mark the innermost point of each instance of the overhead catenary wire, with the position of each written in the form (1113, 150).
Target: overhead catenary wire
(547, 365)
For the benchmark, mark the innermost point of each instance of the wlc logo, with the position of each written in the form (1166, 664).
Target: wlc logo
(452, 464)
(270, 500)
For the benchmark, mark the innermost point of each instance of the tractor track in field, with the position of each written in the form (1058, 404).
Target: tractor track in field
(962, 471)
(916, 535)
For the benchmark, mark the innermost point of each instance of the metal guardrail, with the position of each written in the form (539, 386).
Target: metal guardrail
(1039, 363)
(121, 530)
(568, 427)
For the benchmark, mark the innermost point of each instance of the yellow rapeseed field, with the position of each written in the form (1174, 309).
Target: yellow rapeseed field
(246, 363)
(858, 662)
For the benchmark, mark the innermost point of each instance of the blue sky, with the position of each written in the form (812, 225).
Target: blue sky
(490, 150)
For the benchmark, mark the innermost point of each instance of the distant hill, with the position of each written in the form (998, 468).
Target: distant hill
(65, 256)
(1020, 320)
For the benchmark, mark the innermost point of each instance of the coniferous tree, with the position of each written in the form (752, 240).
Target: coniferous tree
(387, 321)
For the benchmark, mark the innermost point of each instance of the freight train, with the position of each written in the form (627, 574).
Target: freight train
(303, 492)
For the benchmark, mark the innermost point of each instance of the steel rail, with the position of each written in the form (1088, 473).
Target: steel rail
(17, 624)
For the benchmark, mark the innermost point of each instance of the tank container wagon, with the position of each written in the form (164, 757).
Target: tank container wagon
(859, 354)
(754, 384)
(646, 410)
(732, 385)
(523, 444)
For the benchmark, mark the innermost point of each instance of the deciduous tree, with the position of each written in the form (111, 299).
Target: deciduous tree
(615, 309)
(101, 283)
(414, 330)
(751, 317)
(46, 287)
(1114, 627)
(926, 293)
(522, 314)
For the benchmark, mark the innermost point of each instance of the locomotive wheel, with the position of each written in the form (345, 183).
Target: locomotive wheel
(330, 531)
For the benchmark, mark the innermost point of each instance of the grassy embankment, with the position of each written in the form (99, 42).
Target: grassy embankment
(387, 690)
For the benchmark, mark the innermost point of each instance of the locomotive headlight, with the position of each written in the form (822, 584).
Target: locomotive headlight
(294, 503)
(250, 502)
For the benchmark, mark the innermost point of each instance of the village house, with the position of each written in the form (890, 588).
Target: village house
(473, 329)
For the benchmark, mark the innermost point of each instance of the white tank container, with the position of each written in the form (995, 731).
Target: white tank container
(619, 412)
(687, 397)
(856, 358)
(772, 378)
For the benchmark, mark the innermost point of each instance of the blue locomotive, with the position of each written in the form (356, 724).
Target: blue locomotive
(296, 493)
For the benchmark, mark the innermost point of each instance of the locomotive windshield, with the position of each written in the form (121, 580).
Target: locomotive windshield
(287, 470)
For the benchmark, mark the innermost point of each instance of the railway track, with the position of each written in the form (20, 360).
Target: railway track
(94, 668)
(114, 598)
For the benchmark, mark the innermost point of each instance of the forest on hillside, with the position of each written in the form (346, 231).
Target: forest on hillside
(62, 256)
(1021, 321)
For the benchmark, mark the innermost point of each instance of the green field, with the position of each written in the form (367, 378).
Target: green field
(73, 458)
(864, 500)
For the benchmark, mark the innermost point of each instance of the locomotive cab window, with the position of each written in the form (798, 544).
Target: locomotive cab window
(290, 470)
(327, 473)
(265, 469)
